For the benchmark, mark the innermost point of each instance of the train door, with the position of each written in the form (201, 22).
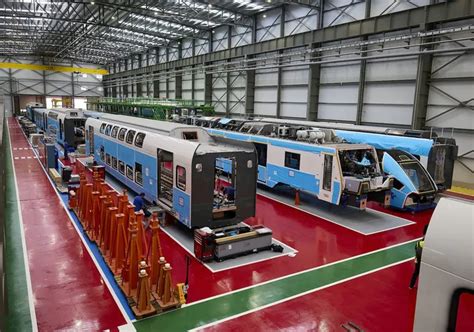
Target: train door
(61, 127)
(165, 177)
(90, 137)
(326, 185)
(262, 161)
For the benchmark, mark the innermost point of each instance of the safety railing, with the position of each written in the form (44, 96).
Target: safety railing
(3, 162)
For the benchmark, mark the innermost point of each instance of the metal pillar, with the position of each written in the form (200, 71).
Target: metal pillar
(250, 92)
(178, 86)
(279, 74)
(193, 53)
(227, 78)
(362, 71)
(156, 89)
(208, 89)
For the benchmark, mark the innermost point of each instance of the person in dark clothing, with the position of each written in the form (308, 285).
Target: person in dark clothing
(139, 204)
(229, 193)
(418, 251)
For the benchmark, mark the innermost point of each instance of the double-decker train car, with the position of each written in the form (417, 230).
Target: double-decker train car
(67, 125)
(30, 108)
(314, 161)
(175, 166)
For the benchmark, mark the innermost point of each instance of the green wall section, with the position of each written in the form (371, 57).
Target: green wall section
(18, 314)
(239, 302)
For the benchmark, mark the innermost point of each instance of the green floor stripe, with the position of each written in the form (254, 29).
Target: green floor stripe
(236, 303)
(18, 315)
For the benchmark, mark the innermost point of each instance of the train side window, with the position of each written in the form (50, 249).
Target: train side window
(292, 160)
(327, 175)
(181, 178)
(261, 153)
(190, 135)
(102, 153)
(397, 184)
(130, 136)
(108, 129)
(130, 172)
(114, 162)
(114, 132)
(139, 139)
(102, 128)
(121, 135)
(138, 174)
(108, 159)
(121, 165)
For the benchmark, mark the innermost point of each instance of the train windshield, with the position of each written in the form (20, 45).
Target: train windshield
(418, 176)
(358, 162)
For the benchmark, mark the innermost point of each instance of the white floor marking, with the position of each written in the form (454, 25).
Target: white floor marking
(299, 295)
(31, 303)
(102, 274)
(335, 223)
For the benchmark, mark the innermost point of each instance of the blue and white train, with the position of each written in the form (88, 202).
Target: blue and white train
(66, 125)
(176, 167)
(319, 163)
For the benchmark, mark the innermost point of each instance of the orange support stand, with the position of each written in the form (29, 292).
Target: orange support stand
(156, 281)
(95, 220)
(111, 211)
(143, 307)
(141, 235)
(156, 252)
(105, 204)
(129, 283)
(72, 200)
(86, 220)
(122, 202)
(80, 195)
(167, 298)
(120, 243)
(129, 214)
(297, 197)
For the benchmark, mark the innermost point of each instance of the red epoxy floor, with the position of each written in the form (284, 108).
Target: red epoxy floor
(69, 293)
(319, 242)
(380, 301)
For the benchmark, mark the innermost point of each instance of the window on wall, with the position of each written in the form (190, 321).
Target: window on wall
(121, 134)
(121, 167)
(114, 162)
(138, 174)
(114, 132)
(292, 160)
(181, 178)
(130, 136)
(139, 139)
(327, 175)
(130, 172)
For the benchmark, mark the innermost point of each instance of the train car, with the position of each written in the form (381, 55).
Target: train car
(314, 161)
(30, 110)
(67, 125)
(436, 154)
(402, 157)
(445, 296)
(176, 167)
(40, 118)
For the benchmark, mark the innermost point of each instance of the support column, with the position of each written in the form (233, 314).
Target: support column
(250, 93)
(139, 87)
(73, 92)
(208, 88)
(156, 88)
(193, 53)
(228, 78)
(422, 87)
(279, 74)
(362, 71)
(178, 87)
(313, 92)
(167, 79)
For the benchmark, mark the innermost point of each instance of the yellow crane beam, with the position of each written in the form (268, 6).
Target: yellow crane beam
(31, 66)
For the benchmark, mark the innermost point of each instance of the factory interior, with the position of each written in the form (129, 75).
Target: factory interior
(268, 165)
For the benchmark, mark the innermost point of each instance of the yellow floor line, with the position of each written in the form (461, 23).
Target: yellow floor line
(462, 190)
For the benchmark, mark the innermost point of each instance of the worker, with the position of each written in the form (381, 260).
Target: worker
(139, 204)
(418, 251)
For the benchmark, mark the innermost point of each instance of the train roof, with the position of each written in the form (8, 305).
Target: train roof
(362, 128)
(68, 112)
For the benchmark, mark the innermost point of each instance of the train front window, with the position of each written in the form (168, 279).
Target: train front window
(190, 135)
(225, 191)
(358, 162)
(418, 176)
